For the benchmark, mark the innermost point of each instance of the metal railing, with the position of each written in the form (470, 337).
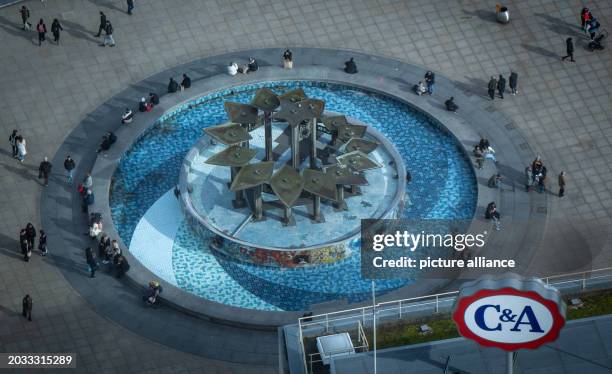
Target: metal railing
(438, 303)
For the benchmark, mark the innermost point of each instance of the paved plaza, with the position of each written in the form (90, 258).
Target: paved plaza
(563, 111)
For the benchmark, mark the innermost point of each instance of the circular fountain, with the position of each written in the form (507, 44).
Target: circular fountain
(286, 184)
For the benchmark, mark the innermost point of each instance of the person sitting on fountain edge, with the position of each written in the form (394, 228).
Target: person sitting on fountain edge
(127, 117)
(153, 98)
(142, 105)
(450, 105)
(350, 67)
(172, 86)
(186, 83)
(420, 88)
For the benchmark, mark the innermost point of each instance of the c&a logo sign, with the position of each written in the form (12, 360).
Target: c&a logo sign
(526, 315)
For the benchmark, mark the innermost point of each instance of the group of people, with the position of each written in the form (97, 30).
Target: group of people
(251, 67)
(107, 27)
(483, 151)
(108, 252)
(426, 87)
(499, 85)
(27, 238)
(174, 86)
(41, 27)
(18, 145)
(589, 23)
(536, 177)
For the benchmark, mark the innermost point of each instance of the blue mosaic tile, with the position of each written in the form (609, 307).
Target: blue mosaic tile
(443, 187)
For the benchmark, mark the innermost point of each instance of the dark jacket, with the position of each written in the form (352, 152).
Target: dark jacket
(569, 46)
(42, 241)
(90, 257)
(30, 233)
(172, 86)
(186, 83)
(103, 20)
(69, 164)
(25, 14)
(492, 84)
(24, 246)
(154, 99)
(89, 199)
(108, 29)
(27, 304)
(56, 27)
(513, 79)
(350, 67)
(501, 84)
(45, 168)
(430, 78)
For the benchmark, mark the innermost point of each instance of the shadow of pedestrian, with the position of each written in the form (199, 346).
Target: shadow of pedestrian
(541, 51)
(559, 26)
(10, 247)
(79, 31)
(473, 86)
(485, 15)
(21, 172)
(68, 265)
(16, 30)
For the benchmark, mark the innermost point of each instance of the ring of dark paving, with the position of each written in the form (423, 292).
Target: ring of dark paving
(251, 338)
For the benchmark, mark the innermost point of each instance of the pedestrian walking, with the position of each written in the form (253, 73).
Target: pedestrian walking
(13, 142)
(492, 88)
(130, 6)
(26, 309)
(30, 234)
(569, 49)
(87, 181)
(561, 184)
(585, 17)
(44, 170)
(21, 148)
(90, 257)
(513, 82)
(501, 86)
(108, 38)
(41, 28)
(102, 24)
(26, 250)
(69, 165)
(88, 200)
(42, 243)
(430, 79)
(25, 15)
(56, 27)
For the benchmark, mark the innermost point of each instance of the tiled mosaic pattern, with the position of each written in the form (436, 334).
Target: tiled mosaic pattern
(443, 186)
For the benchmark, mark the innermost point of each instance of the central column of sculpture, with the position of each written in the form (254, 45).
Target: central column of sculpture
(346, 151)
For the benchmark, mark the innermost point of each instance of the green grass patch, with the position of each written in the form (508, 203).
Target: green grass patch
(405, 333)
(595, 304)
